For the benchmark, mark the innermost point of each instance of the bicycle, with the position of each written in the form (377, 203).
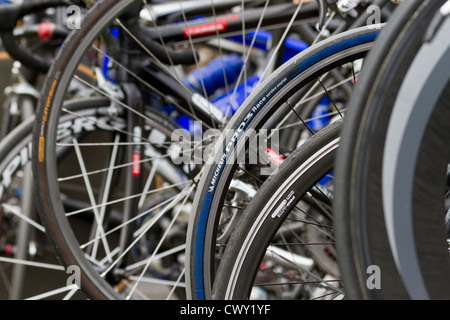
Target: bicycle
(177, 179)
(166, 173)
(42, 65)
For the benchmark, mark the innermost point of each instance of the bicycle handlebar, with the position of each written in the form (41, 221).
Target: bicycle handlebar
(181, 56)
(165, 55)
(9, 15)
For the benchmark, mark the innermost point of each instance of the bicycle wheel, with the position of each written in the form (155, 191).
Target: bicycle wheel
(220, 198)
(29, 267)
(154, 182)
(284, 241)
(365, 228)
(75, 139)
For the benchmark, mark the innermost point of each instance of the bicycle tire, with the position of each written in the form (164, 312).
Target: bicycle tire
(422, 260)
(273, 204)
(362, 239)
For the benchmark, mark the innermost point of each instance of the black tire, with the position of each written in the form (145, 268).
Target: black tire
(362, 238)
(298, 175)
